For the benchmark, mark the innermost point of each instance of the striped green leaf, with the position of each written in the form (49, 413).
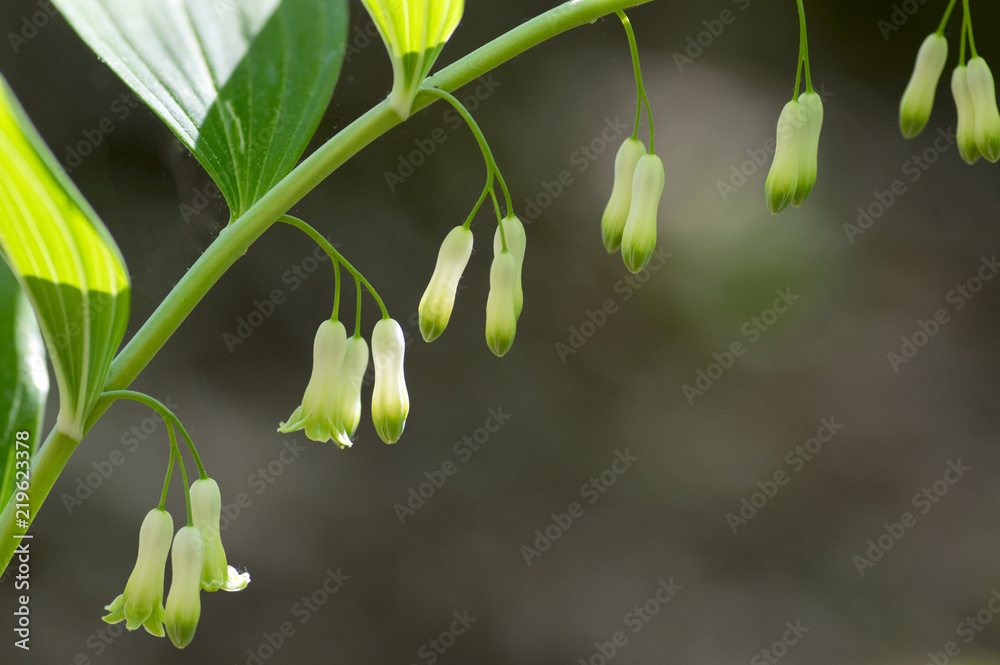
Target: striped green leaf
(66, 262)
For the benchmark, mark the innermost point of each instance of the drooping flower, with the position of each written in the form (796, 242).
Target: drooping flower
(783, 178)
(317, 413)
(812, 104)
(439, 297)
(184, 599)
(616, 212)
(918, 98)
(390, 401)
(414, 32)
(206, 510)
(639, 236)
(965, 132)
(142, 602)
(517, 240)
(352, 375)
(501, 316)
(984, 100)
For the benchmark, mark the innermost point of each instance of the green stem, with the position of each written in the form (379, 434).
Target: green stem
(336, 288)
(482, 197)
(357, 318)
(165, 413)
(491, 162)
(803, 53)
(967, 20)
(639, 87)
(170, 467)
(175, 453)
(335, 256)
(947, 15)
(234, 241)
(962, 39)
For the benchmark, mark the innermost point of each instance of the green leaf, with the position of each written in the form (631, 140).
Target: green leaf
(66, 262)
(24, 380)
(243, 83)
(414, 32)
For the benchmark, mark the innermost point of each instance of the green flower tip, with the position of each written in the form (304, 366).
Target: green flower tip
(414, 32)
(501, 317)
(206, 509)
(142, 602)
(390, 401)
(439, 297)
(184, 600)
(639, 235)
(918, 98)
(616, 212)
(517, 241)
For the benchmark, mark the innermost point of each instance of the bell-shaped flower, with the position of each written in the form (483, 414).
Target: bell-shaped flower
(639, 236)
(142, 602)
(390, 401)
(184, 598)
(616, 212)
(439, 297)
(984, 100)
(965, 132)
(206, 509)
(517, 240)
(317, 413)
(414, 32)
(501, 317)
(812, 104)
(918, 98)
(352, 375)
(783, 178)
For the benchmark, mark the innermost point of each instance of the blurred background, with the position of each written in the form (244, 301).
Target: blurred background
(747, 507)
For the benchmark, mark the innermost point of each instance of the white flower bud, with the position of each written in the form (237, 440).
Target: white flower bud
(639, 236)
(783, 178)
(616, 212)
(142, 602)
(206, 511)
(984, 100)
(812, 104)
(317, 413)
(517, 242)
(501, 317)
(439, 297)
(184, 599)
(352, 375)
(965, 134)
(918, 98)
(390, 401)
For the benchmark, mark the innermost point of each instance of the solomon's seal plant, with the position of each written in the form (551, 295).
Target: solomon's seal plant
(247, 111)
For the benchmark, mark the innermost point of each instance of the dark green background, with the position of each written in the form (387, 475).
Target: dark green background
(666, 516)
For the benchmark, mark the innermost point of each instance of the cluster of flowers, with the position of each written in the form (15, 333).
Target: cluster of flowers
(506, 297)
(331, 406)
(198, 563)
(978, 130)
(629, 221)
